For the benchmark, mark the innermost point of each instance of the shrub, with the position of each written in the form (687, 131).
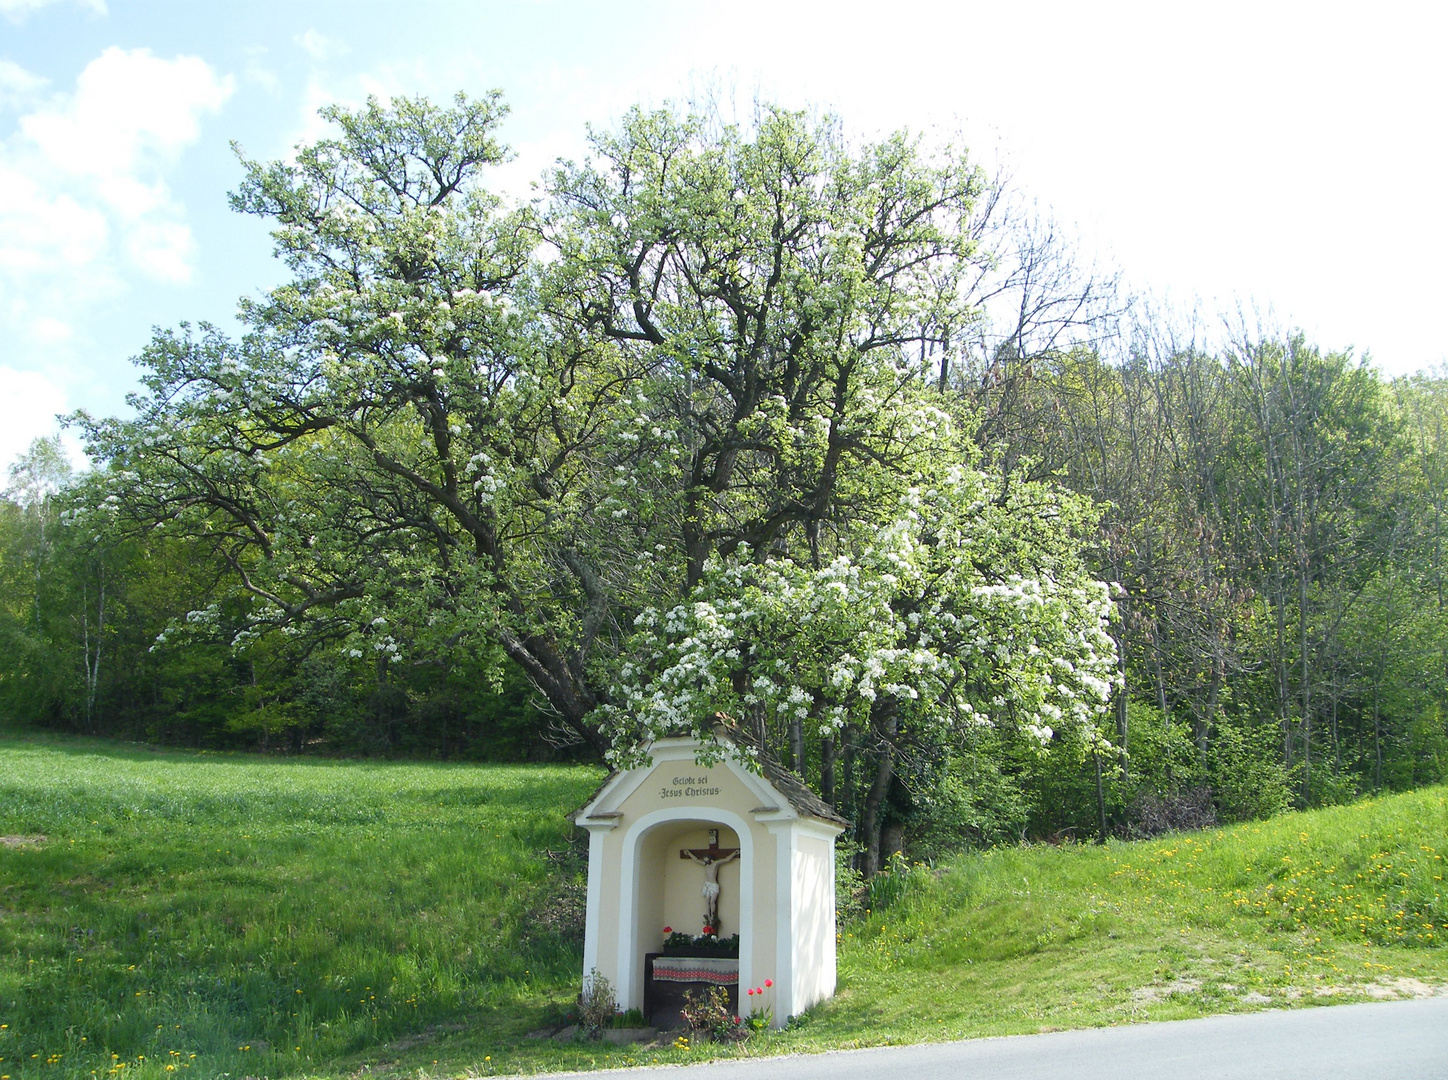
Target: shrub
(1162, 758)
(893, 882)
(597, 1005)
(973, 804)
(849, 882)
(708, 1011)
(1247, 777)
(1187, 808)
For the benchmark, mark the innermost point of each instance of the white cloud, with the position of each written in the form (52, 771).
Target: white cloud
(320, 47)
(164, 250)
(84, 202)
(29, 402)
(42, 230)
(18, 87)
(130, 117)
(263, 77)
(50, 331)
(18, 10)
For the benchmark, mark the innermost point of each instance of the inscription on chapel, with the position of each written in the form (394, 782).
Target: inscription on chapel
(688, 787)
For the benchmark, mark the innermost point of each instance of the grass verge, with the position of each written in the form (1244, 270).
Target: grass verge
(213, 915)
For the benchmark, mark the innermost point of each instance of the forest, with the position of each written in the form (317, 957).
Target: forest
(841, 443)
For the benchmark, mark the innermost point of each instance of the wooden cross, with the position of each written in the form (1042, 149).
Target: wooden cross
(713, 853)
(711, 858)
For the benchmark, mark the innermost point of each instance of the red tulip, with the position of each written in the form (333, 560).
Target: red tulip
(668, 929)
(768, 982)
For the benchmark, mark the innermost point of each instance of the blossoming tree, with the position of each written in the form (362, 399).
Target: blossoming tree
(655, 435)
(969, 607)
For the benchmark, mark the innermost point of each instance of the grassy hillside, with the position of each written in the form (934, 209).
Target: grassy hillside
(1339, 904)
(232, 914)
(166, 913)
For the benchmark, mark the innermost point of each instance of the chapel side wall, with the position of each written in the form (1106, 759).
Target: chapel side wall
(652, 865)
(814, 921)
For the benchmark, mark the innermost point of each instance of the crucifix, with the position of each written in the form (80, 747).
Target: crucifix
(711, 858)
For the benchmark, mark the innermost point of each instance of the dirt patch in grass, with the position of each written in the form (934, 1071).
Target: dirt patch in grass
(422, 1038)
(1148, 994)
(23, 841)
(1382, 990)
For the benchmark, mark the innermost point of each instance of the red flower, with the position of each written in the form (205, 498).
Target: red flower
(749, 992)
(768, 982)
(668, 929)
(708, 929)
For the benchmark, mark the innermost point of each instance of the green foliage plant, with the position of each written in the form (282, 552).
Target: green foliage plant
(707, 1011)
(631, 1018)
(597, 1005)
(849, 881)
(760, 1017)
(894, 882)
(1247, 778)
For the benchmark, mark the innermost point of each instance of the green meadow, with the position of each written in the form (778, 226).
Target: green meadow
(167, 912)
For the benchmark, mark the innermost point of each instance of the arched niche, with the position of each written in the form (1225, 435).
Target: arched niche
(650, 882)
(671, 888)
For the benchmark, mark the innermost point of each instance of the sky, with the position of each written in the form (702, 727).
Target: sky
(1283, 158)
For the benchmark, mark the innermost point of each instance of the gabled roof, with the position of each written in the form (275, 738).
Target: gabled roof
(794, 790)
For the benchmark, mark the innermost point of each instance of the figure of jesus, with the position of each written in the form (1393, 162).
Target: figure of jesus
(711, 864)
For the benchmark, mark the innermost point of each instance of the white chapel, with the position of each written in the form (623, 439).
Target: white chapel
(675, 845)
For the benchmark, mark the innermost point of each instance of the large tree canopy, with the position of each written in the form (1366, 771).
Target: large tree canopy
(694, 378)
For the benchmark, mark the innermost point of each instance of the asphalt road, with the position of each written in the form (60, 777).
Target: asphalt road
(1397, 1040)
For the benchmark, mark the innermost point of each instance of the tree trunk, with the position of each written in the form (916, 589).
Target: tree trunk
(549, 672)
(1377, 743)
(1336, 746)
(827, 769)
(85, 649)
(1306, 687)
(1123, 717)
(1100, 802)
(92, 657)
(1204, 726)
(845, 783)
(1284, 710)
(1156, 665)
(796, 745)
(886, 728)
(892, 840)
